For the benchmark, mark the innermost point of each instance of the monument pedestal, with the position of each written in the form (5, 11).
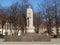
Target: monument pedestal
(30, 29)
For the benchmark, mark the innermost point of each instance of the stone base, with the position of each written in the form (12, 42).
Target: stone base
(30, 29)
(31, 37)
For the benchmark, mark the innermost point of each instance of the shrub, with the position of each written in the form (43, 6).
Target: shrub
(1, 36)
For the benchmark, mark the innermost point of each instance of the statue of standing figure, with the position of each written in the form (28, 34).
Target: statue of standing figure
(29, 18)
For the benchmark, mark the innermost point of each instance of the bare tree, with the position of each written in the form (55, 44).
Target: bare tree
(24, 5)
(50, 11)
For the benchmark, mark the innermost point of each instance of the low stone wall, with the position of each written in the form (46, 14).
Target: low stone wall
(28, 37)
(12, 38)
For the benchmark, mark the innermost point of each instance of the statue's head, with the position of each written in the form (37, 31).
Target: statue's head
(29, 6)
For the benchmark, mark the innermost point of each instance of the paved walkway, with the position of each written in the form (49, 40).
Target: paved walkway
(53, 41)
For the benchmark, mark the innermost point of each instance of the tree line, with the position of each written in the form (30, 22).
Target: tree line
(48, 13)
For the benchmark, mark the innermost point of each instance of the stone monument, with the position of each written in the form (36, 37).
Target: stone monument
(29, 18)
(30, 35)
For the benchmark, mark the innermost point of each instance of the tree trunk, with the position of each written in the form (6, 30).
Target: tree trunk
(57, 30)
(2, 29)
(10, 29)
